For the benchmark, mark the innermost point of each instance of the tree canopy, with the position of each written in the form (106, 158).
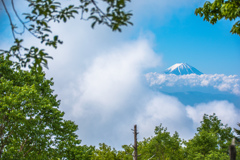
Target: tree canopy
(237, 132)
(221, 9)
(212, 140)
(31, 124)
(161, 146)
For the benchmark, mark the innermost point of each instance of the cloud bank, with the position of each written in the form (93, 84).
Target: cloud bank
(225, 111)
(114, 78)
(175, 116)
(220, 82)
(111, 95)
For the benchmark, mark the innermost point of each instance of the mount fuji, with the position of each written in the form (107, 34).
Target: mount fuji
(192, 87)
(182, 69)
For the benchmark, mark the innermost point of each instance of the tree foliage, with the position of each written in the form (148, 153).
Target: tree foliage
(212, 140)
(221, 9)
(31, 124)
(237, 131)
(161, 146)
(43, 12)
(104, 152)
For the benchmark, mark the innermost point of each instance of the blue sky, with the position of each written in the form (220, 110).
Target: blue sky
(99, 75)
(210, 48)
(185, 37)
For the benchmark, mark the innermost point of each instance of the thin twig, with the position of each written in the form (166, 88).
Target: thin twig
(151, 157)
(27, 151)
(23, 144)
(24, 26)
(10, 19)
(104, 15)
(18, 18)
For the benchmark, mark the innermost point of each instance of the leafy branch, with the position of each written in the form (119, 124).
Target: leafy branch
(221, 9)
(37, 23)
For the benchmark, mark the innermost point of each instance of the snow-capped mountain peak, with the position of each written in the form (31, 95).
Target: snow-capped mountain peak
(181, 69)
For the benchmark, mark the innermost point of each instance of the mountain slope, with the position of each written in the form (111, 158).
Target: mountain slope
(181, 69)
(195, 97)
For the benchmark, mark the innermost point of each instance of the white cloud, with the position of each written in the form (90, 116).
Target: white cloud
(113, 77)
(225, 111)
(108, 93)
(220, 82)
(167, 110)
(183, 119)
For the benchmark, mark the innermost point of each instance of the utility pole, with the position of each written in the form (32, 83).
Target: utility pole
(135, 142)
(232, 150)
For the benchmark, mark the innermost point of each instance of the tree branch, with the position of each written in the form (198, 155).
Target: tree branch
(151, 157)
(27, 151)
(100, 11)
(23, 144)
(10, 19)
(23, 23)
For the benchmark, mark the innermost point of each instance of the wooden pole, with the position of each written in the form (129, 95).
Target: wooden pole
(232, 150)
(135, 143)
